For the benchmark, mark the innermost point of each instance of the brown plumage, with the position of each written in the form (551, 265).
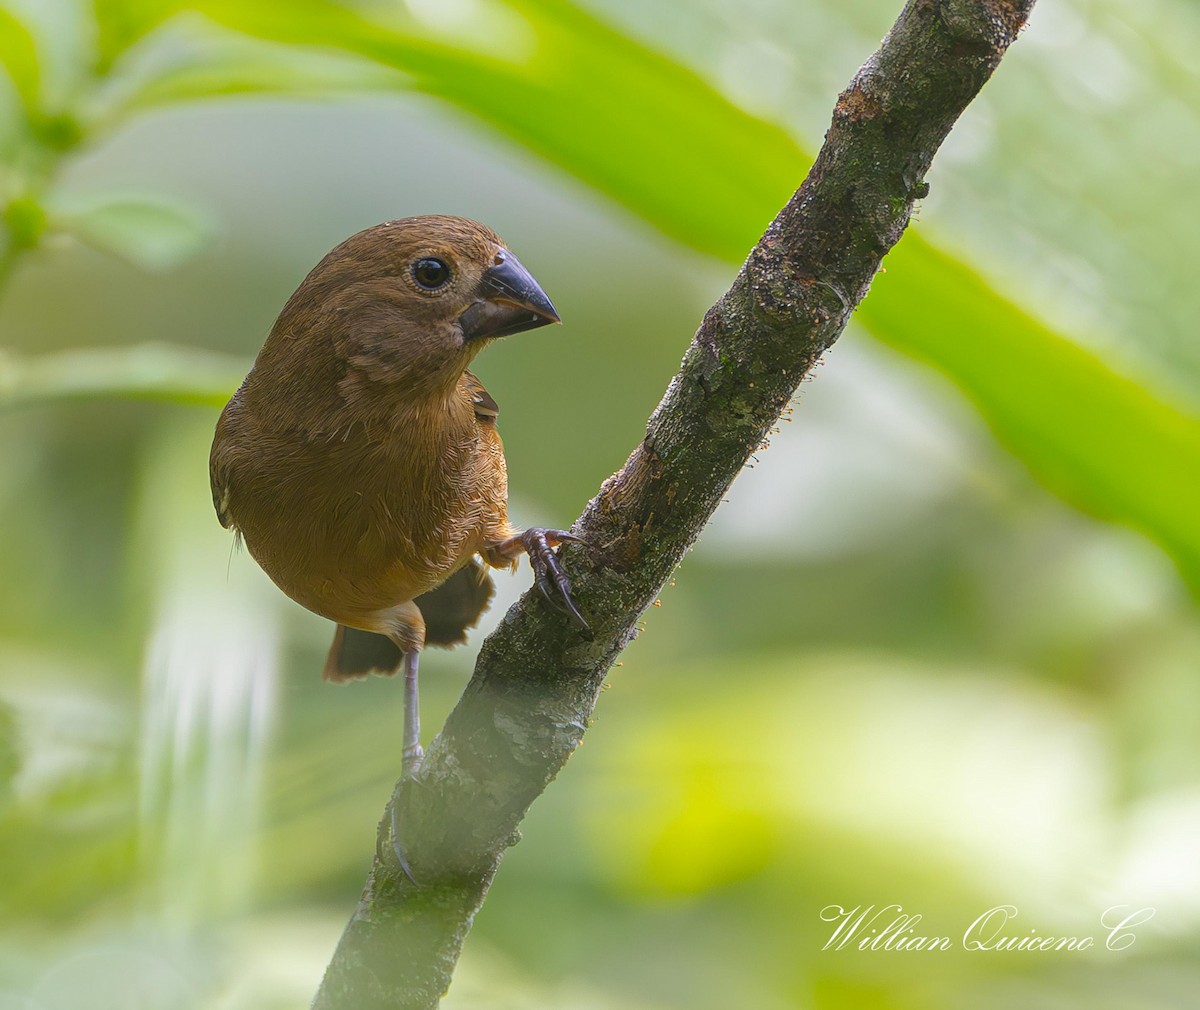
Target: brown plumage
(359, 460)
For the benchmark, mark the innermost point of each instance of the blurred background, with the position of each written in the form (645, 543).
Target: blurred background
(938, 650)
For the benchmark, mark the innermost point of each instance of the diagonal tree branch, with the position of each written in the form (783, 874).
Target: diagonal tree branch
(536, 680)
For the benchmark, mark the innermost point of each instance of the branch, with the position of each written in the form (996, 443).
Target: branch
(536, 680)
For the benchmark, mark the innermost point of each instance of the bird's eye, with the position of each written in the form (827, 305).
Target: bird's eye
(431, 273)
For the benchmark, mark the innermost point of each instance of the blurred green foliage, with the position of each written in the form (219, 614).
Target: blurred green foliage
(895, 670)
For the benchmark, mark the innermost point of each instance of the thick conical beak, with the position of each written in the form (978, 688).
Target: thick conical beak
(510, 301)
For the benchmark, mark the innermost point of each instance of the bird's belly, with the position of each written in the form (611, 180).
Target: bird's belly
(355, 566)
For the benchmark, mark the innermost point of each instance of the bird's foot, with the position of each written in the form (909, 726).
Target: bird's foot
(551, 580)
(413, 754)
(398, 850)
(411, 759)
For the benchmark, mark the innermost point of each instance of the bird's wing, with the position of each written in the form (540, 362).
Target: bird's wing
(456, 605)
(481, 399)
(220, 477)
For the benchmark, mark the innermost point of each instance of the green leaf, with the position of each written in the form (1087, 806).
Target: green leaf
(150, 232)
(121, 23)
(144, 372)
(221, 69)
(646, 131)
(19, 54)
(1101, 440)
(24, 220)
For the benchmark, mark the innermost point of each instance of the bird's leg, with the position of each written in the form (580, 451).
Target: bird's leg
(551, 580)
(412, 754)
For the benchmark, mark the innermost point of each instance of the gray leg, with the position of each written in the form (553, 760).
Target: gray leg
(412, 753)
(412, 714)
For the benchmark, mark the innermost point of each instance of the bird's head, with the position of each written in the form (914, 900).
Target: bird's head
(410, 302)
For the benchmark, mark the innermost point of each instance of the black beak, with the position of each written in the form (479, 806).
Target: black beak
(510, 301)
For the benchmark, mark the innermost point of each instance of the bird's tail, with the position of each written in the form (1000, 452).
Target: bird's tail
(356, 654)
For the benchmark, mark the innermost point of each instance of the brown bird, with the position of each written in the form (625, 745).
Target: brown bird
(359, 460)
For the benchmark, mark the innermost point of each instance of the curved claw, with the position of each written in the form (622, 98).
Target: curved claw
(398, 849)
(396, 844)
(551, 580)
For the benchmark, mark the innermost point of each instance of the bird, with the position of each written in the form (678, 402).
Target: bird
(359, 461)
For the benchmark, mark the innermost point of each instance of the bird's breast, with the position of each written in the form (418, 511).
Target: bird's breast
(361, 524)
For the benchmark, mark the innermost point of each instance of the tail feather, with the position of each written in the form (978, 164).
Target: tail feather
(355, 654)
(450, 611)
